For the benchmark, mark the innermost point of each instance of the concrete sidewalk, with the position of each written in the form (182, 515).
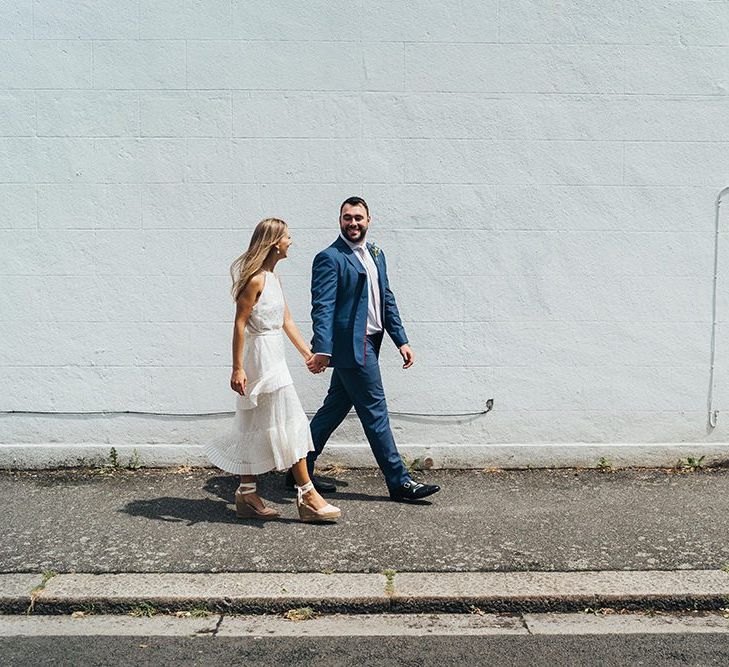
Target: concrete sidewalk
(516, 541)
(541, 520)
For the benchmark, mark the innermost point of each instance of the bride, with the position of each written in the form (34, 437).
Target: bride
(270, 429)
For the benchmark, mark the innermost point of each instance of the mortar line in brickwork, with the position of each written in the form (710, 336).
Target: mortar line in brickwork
(232, 128)
(422, 42)
(511, 93)
(394, 140)
(403, 82)
(140, 194)
(187, 79)
(415, 42)
(230, 16)
(498, 21)
(363, 64)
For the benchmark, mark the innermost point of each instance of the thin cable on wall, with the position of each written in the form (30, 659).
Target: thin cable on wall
(111, 413)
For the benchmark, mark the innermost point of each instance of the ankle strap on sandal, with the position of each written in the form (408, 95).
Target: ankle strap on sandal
(246, 487)
(301, 490)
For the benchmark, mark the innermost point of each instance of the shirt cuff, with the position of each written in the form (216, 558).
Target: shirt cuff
(323, 354)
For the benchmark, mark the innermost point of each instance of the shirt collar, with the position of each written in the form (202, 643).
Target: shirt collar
(353, 246)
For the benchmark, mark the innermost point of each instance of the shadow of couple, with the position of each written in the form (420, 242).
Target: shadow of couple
(192, 511)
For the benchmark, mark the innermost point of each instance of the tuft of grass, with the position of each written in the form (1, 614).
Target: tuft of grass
(726, 568)
(604, 464)
(109, 467)
(333, 469)
(412, 465)
(300, 614)
(86, 609)
(135, 462)
(47, 576)
(691, 463)
(143, 609)
(195, 612)
(601, 611)
(390, 583)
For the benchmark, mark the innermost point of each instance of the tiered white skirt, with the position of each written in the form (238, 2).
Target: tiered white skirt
(270, 430)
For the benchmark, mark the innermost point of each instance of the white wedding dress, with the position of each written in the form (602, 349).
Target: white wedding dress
(270, 429)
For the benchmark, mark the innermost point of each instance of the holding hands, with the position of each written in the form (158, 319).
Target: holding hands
(317, 363)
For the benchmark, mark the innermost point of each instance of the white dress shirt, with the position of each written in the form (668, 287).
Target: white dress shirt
(374, 303)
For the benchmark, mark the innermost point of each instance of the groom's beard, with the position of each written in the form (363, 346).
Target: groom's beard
(355, 233)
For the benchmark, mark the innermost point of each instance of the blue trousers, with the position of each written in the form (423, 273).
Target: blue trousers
(362, 388)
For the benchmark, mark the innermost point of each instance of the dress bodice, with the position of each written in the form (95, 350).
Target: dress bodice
(267, 315)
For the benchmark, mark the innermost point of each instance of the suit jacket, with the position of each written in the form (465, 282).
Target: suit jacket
(339, 304)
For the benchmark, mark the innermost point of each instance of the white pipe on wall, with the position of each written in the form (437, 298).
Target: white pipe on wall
(714, 414)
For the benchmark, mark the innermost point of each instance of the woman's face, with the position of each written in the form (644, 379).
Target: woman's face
(283, 245)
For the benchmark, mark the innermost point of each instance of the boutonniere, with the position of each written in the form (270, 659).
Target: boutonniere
(375, 249)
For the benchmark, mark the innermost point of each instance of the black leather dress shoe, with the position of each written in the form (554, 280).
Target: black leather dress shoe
(319, 484)
(412, 490)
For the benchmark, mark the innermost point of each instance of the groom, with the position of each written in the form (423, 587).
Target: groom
(352, 306)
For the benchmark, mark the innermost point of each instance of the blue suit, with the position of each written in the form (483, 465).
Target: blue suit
(339, 303)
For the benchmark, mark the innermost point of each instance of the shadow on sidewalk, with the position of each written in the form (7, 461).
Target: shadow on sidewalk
(192, 511)
(272, 487)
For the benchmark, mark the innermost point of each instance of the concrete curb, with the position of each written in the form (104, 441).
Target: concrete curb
(411, 592)
(17, 591)
(21, 456)
(365, 625)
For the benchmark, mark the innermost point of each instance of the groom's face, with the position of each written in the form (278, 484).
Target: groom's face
(354, 222)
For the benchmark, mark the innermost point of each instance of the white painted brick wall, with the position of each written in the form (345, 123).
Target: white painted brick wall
(541, 178)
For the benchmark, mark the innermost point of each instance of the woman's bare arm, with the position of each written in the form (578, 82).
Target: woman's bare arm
(294, 334)
(243, 307)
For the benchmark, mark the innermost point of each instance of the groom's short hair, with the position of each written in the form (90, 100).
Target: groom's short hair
(354, 201)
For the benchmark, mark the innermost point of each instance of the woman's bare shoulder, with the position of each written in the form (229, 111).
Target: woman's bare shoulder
(257, 281)
(253, 287)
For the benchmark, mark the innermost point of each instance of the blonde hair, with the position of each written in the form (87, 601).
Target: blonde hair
(267, 234)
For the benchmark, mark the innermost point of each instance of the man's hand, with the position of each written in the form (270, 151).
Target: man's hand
(318, 363)
(407, 356)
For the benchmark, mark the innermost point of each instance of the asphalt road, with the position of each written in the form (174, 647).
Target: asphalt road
(607, 651)
(560, 520)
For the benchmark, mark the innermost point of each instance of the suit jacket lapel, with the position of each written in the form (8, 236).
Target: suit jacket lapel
(344, 248)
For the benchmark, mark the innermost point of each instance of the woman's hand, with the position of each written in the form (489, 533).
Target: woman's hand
(318, 363)
(238, 382)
